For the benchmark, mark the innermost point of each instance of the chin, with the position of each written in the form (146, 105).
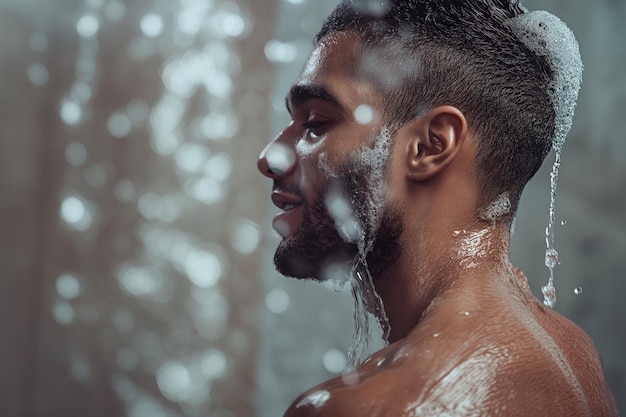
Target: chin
(311, 261)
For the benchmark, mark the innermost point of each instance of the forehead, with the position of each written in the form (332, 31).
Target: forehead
(334, 56)
(335, 65)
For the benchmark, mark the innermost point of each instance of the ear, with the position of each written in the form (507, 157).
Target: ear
(434, 140)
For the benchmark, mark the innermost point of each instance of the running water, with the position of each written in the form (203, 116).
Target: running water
(552, 256)
(546, 35)
(357, 218)
(368, 312)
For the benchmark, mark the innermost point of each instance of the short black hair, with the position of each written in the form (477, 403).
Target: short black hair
(461, 53)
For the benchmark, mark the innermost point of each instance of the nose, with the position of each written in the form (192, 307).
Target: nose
(276, 160)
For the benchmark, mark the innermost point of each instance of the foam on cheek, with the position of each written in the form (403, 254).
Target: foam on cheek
(373, 161)
(357, 214)
(370, 163)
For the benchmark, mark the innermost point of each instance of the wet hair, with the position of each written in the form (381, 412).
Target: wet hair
(426, 53)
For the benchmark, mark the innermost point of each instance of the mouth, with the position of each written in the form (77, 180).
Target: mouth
(288, 220)
(285, 201)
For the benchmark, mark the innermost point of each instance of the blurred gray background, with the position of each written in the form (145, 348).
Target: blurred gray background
(135, 263)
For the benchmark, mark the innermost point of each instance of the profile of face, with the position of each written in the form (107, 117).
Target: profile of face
(329, 167)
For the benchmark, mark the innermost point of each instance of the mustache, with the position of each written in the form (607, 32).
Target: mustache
(280, 186)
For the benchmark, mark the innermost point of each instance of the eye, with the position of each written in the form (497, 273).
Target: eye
(315, 128)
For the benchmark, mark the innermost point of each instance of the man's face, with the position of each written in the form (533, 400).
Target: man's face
(328, 168)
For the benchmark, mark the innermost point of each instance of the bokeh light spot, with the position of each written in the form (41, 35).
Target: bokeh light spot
(114, 10)
(38, 42)
(214, 364)
(203, 268)
(67, 286)
(174, 381)
(246, 236)
(334, 361)
(63, 313)
(71, 113)
(152, 25)
(119, 125)
(139, 282)
(277, 301)
(279, 157)
(37, 74)
(364, 114)
(87, 25)
(76, 213)
(280, 52)
(75, 154)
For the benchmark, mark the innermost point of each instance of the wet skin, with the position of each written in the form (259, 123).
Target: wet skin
(467, 336)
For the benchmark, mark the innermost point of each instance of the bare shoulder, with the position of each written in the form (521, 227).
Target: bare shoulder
(474, 364)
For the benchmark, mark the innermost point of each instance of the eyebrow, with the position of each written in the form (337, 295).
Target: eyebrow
(299, 94)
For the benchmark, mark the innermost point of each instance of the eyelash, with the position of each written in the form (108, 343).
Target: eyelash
(313, 126)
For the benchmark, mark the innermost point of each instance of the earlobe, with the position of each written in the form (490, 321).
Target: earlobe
(434, 142)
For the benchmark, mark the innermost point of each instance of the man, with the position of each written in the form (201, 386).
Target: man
(415, 126)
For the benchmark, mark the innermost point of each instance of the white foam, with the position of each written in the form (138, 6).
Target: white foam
(546, 35)
(497, 209)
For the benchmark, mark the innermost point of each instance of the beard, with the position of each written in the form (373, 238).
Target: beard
(320, 243)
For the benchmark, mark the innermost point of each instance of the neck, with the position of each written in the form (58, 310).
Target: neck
(434, 263)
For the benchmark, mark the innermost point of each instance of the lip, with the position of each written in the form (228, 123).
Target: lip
(288, 220)
(285, 201)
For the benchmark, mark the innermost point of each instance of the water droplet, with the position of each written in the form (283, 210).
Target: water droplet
(277, 301)
(578, 290)
(364, 114)
(282, 228)
(279, 157)
(552, 258)
(334, 361)
(338, 275)
(563, 222)
(340, 210)
(351, 378)
(436, 335)
(316, 399)
(373, 7)
(549, 295)
(464, 313)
